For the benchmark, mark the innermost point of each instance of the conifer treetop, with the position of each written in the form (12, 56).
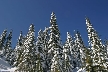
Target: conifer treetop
(20, 35)
(78, 35)
(68, 35)
(3, 38)
(3, 34)
(40, 31)
(31, 28)
(40, 35)
(53, 19)
(69, 38)
(54, 27)
(10, 35)
(5, 31)
(87, 20)
(20, 38)
(46, 29)
(92, 34)
(89, 25)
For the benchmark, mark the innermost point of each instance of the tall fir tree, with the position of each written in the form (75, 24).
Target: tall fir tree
(46, 38)
(45, 42)
(54, 44)
(99, 63)
(28, 56)
(106, 52)
(8, 48)
(56, 65)
(80, 49)
(68, 59)
(41, 67)
(2, 41)
(18, 50)
(76, 52)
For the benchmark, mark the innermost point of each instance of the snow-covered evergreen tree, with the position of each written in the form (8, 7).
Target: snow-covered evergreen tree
(106, 52)
(41, 67)
(45, 42)
(20, 40)
(8, 48)
(88, 61)
(54, 45)
(80, 50)
(28, 56)
(99, 63)
(67, 57)
(46, 38)
(56, 65)
(18, 50)
(2, 41)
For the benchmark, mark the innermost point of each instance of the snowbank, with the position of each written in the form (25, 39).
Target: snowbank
(81, 70)
(4, 66)
(8, 70)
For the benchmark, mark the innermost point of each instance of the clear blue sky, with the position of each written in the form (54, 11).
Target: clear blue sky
(19, 14)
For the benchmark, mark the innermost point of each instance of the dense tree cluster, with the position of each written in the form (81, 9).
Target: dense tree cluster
(47, 53)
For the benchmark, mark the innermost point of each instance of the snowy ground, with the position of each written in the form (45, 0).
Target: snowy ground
(4, 66)
(8, 70)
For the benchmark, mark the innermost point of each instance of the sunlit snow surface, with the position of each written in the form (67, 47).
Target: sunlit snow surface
(4, 66)
(8, 70)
